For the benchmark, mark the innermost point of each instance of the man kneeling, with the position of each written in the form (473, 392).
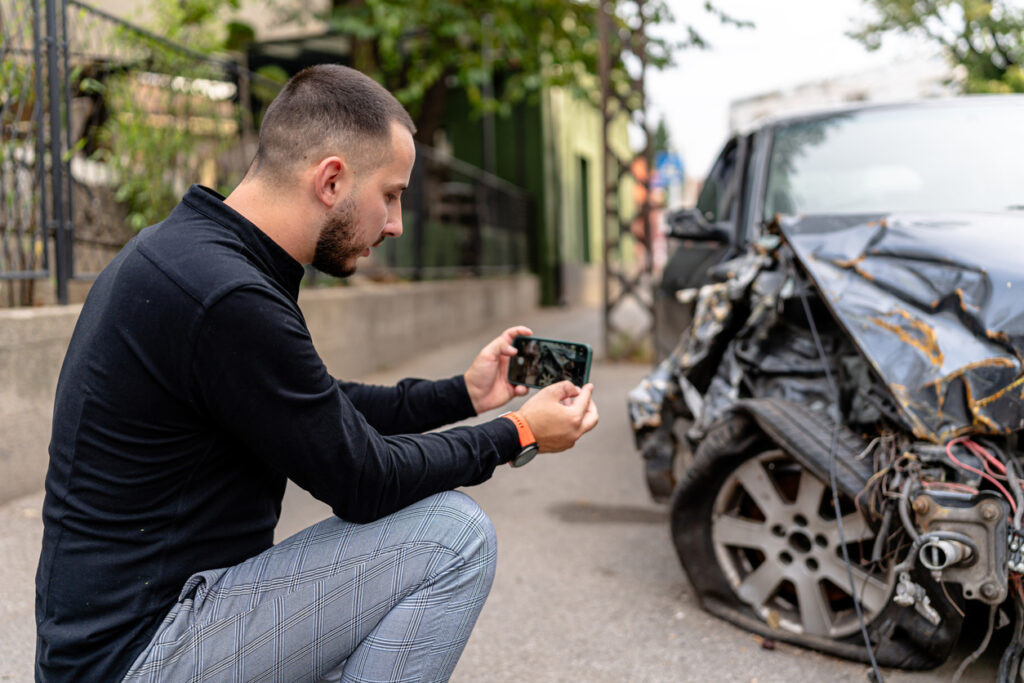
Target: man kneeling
(191, 392)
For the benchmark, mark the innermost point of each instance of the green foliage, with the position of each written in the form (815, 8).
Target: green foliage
(986, 37)
(660, 139)
(17, 97)
(272, 79)
(169, 116)
(239, 36)
(413, 46)
(17, 79)
(195, 23)
(144, 147)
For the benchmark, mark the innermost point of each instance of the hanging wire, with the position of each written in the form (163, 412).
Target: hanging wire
(835, 488)
(973, 657)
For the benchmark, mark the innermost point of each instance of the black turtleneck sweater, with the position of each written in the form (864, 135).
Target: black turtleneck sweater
(190, 392)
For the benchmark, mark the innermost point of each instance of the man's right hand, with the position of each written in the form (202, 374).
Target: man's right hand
(559, 415)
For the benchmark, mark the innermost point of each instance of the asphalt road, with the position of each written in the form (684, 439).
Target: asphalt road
(588, 586)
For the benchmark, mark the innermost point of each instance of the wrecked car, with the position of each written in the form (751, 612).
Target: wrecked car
(836, 427)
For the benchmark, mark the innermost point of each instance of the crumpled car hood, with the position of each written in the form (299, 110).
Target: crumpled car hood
(935, 304)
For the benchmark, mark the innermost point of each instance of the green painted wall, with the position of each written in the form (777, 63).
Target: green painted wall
(543, 146)
(519, 159)
(578, 141)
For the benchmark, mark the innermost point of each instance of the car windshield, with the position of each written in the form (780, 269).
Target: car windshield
(956, 157)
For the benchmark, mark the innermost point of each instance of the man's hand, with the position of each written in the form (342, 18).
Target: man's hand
(487, 378)
(559, 415)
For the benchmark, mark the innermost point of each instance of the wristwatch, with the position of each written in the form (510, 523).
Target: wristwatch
(527, 441)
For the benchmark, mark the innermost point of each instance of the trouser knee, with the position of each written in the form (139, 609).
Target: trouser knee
(464, 528)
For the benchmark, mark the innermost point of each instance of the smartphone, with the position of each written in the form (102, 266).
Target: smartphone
(540, 362)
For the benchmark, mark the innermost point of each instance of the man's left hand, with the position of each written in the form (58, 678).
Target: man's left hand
(487, 378)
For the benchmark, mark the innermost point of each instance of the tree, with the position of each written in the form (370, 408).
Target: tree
(498, 53)
(985, 36)
(661, 142)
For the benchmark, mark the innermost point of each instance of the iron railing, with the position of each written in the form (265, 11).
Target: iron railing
(24, 216)
(148, 118)
(103, 125)
(458, 221)
(106, 124)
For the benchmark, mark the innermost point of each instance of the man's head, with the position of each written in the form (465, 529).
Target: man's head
(339, 146)
(323, 110)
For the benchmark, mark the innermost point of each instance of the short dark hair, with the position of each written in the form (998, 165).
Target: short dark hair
(327, 109)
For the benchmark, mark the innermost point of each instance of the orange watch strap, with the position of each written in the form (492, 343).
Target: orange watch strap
(526, 437)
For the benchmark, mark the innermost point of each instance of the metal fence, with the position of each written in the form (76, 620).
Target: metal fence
(102, 126)
(105, 125)
(458, 221)
(146, 118)
(24, 219)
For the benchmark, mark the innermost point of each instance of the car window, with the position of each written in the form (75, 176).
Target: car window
(930, 158)
(715, 201)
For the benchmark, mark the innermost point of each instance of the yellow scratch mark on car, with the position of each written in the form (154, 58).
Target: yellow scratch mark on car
(915, 333)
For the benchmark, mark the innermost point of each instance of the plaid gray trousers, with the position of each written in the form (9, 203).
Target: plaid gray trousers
(393, 600)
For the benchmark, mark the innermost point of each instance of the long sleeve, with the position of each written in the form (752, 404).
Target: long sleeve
(258, 376)
(412, 406)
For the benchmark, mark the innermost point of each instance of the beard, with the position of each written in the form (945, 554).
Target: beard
(336, 251)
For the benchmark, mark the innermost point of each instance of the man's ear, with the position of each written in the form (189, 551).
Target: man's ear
(332, 180)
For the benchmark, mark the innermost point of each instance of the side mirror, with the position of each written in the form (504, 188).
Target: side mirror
(690, 224)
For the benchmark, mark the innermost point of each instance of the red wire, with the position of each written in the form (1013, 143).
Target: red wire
(955, 486)
(984, 475)
(981, 452)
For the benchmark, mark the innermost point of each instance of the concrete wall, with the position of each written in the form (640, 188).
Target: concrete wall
(32, 346)
(583, 284)
(357, 330)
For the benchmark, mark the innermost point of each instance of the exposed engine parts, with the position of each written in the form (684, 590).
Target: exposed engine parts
(1015, 544)
(962, 541)
(910, 594)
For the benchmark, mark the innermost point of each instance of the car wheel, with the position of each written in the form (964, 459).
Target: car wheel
(776, 540)
(757, 534)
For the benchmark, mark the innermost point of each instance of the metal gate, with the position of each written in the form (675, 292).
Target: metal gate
(103, 125)
(35, 195)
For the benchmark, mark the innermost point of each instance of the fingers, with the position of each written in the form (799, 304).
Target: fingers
(590, 418)
(560, 390)
(584, 409)
(504, 340)
(513, 332)
(582, 401)
(560, 414)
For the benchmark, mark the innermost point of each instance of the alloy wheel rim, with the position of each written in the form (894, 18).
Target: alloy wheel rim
(777, 542)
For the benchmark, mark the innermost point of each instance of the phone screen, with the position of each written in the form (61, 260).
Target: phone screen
(541, 362)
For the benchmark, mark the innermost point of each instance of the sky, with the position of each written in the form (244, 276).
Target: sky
(793, 42)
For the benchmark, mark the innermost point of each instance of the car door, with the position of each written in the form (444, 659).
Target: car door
(700, 238)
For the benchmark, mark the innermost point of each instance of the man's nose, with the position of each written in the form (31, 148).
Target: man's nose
(394, 224)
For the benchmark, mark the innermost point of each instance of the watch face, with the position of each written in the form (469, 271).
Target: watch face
(525, 456)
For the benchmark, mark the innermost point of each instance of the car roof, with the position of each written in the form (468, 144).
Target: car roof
(777, 120)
